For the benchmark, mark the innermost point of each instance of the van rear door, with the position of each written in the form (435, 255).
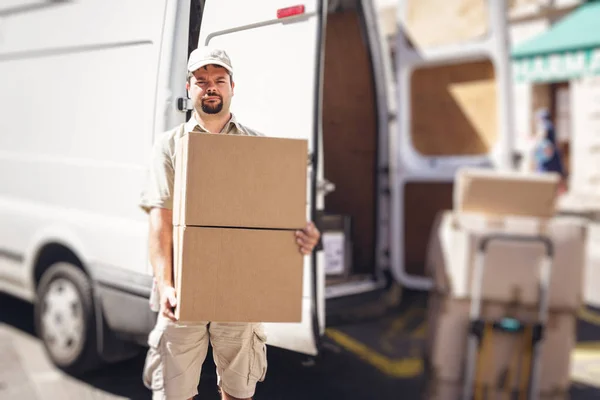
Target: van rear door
(454, 95)
(276, 51)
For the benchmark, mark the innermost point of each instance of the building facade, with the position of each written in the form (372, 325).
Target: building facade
(556, 65)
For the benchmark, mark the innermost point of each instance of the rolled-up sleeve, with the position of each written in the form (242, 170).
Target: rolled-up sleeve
(158, 185)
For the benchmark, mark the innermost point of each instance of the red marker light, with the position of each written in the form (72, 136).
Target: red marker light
(290, 11)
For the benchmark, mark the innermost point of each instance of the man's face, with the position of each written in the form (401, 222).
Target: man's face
(211, 90)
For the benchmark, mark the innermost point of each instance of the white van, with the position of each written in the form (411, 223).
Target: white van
(87, 86)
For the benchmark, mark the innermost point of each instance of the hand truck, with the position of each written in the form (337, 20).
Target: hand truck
(480, 334)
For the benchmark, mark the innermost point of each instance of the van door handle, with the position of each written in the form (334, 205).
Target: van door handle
(184, 104)
(325, 187)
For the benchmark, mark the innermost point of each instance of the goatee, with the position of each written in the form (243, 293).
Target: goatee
(212, 108)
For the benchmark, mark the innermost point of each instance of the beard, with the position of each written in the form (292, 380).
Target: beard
(212, 108)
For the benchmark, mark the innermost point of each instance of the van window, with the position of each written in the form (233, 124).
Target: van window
(454, 109)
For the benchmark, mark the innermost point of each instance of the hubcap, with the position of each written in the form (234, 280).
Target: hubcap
(62, 321)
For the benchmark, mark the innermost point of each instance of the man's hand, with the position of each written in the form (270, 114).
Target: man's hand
(168, 300)
(308, 238)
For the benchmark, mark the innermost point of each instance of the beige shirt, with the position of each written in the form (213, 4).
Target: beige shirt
(158, 188)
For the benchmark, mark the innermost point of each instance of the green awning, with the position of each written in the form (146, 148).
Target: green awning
(569, 49)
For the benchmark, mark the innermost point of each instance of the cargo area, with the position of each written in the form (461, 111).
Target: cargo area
(350, 134)
(453, 109)
(464, 94)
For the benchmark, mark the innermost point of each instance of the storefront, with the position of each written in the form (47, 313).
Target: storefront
(560, 70)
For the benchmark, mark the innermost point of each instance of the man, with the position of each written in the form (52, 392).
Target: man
(177, 351)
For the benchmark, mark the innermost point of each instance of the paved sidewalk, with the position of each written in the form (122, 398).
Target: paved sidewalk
(27, 374)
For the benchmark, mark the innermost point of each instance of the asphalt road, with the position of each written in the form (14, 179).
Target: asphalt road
(377, 359)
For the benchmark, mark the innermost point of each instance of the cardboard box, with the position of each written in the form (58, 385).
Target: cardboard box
(511, 269)
(237, 202)
(240, 181)
(492, 192)
(446, 343)
(237, 275)
(336, 236)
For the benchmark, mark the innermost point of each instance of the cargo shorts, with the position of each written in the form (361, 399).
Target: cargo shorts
(177, 351)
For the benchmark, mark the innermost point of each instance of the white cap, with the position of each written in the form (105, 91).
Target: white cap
(203, 56)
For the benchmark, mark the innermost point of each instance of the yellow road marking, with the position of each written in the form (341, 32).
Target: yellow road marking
(397, 368)
(397, 325)
(589, 316)
(421, 331)
(588, 346)
(410, 367)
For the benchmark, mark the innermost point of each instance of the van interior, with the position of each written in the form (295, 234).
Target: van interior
(351, 142)
(351, 137)
(350, 134)
(463, 94)
(453, 113)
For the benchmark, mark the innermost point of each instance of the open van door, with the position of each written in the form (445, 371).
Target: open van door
(276, 50)
(454, 110)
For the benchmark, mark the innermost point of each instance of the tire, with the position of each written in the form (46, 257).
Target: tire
(65, 319)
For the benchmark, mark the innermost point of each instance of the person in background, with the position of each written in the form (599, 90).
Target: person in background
(546, 154)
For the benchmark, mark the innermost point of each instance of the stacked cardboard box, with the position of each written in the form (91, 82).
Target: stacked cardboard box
(237, 202)
(490, 202)
(336, 233)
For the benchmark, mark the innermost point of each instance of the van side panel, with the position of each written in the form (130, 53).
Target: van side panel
(78, 100)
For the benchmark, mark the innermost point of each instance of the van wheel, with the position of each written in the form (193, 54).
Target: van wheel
(64, 318)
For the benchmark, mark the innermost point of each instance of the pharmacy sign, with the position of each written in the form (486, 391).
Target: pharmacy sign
(557, 66)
